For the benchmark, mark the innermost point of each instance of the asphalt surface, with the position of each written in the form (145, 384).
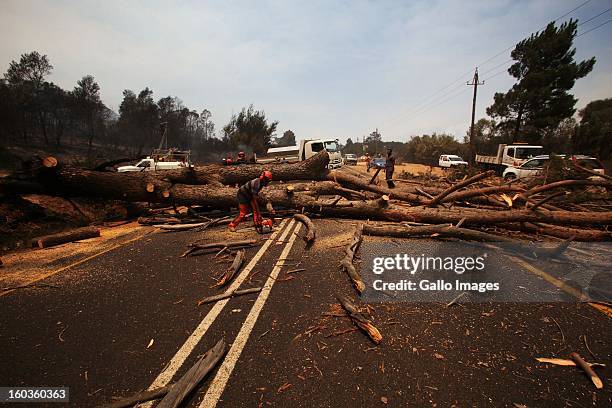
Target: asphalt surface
(91, 332)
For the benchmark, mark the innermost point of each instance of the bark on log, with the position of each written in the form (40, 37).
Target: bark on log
(311, 231)
(314, 168)
(64, 237)
(357, 183)
(347, 261)
(583, 234)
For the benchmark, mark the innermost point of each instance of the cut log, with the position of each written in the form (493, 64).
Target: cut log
(150, 187)
(310, 228)
(232, 270)
(64, 237)
(227, 295)
(49, 162)
(347, 261)
(360, 320)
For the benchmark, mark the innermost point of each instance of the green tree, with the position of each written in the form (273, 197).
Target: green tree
(427, 149)
(26, 77)
(139, 120)
(249, 130)
(594, 135)
(288, 139)
(545, 71)
(89, 106)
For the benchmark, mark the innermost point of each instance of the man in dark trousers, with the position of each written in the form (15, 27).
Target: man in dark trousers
(247, 199)
(390, 168)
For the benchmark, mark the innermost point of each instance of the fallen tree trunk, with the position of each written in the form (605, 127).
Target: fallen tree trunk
(64, 237)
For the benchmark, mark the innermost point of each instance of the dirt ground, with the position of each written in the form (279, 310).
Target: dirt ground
(412, 168)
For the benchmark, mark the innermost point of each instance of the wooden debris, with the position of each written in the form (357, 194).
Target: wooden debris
(139, 398)
(179, 227)
(226, 295)
(360, 320)
(564, 362)
(458, 186)
(174, 394)
(232, 270)
(347, 261)
(587, 369)
(65, 237)
(311, 231)
(216, 246)
(192, 378)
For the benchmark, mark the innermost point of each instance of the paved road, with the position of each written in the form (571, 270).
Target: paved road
(91, 331)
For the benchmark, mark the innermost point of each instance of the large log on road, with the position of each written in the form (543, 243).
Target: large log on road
(314, 168)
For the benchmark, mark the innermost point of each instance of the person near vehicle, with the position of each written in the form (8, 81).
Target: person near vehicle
(390, 168)
(247, 199)
(368, 159)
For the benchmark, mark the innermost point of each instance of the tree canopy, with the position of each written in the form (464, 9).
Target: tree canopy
(545, 71)
(249, 130)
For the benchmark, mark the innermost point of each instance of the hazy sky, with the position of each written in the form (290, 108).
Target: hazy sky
(321, 68)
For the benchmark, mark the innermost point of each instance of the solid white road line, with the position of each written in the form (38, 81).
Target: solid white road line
(220, 381)
(284, 234)
(181, 355)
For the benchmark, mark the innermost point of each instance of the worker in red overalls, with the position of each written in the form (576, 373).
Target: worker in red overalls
(247, 200)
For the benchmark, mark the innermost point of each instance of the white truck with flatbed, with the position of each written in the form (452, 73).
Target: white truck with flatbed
(305, 150)
(509, 155)
(167, 159)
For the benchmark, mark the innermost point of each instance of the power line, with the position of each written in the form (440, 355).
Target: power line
(594, 17)
(594, 28)
(427, 101)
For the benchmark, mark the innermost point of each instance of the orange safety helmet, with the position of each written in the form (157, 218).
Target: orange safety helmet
(266, 176)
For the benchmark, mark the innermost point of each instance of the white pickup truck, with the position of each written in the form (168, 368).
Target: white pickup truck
(305, 150)
(150, 164)
(451, 160)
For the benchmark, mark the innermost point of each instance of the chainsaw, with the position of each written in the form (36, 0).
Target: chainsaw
(265, 226)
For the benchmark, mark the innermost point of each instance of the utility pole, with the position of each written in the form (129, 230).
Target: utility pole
(475, 84)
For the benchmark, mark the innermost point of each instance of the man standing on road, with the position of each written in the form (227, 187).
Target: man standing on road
(390, 168)
(368, 160)
(247, 199)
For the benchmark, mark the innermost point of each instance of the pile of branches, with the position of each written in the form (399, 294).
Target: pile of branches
(482, 200)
